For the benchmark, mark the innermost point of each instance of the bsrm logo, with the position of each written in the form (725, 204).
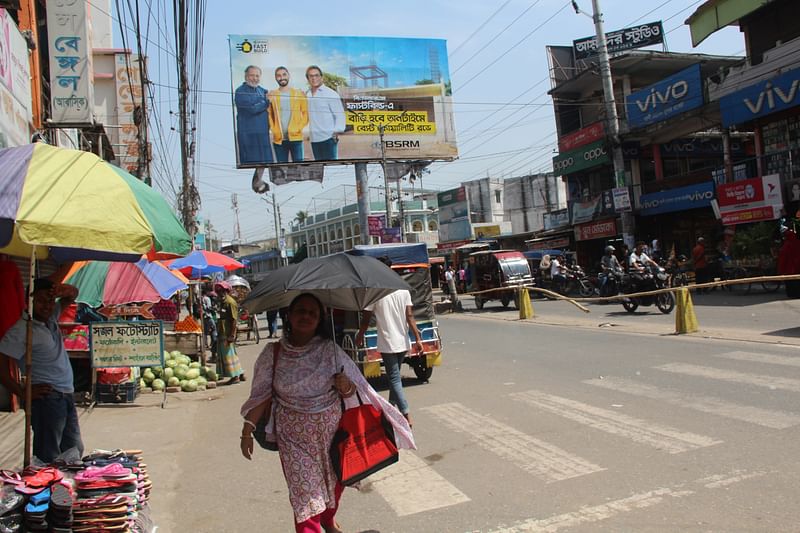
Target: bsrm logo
(401, 144)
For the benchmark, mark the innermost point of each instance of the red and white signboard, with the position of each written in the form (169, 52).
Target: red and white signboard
(596, 230)
(589, 134)
(753, 214)
(755, 192)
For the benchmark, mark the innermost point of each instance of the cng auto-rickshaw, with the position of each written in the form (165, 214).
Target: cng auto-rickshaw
(499, 269)
(412, 263)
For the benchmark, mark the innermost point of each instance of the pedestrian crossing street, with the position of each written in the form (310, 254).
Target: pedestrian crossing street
(415, 485)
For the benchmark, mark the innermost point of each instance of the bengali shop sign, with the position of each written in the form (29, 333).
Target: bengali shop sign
(376, 224)
(71, 73)
(596, 230)
(755, 214)
(340, 99)
(620, 40)
(589, 134)
(120, 344)
(755, 192)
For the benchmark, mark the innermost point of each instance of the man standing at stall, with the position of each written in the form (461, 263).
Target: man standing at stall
(54, 418)
(226, 334)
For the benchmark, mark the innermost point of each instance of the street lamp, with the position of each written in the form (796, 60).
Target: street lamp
(612, 118)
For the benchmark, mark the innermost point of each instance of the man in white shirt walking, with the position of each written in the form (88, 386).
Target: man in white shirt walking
(394, 316)
(325, 115)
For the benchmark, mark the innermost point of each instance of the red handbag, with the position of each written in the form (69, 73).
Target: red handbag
(363, 444)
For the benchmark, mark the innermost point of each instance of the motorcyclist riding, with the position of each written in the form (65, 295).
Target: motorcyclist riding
(639, 261)
(557, 275)
(611, 267)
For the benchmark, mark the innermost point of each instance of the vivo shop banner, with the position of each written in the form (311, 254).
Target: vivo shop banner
(669, 97)
(762, 98)
(340, 99)
(679, 199)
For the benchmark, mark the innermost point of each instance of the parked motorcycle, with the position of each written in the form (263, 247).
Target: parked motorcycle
(643, 281)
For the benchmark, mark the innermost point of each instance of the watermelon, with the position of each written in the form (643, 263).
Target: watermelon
(203, 371)
(180, 371)
(194, 364)
(201, 381)
(171, 363)
(211, 374)
(175, 354)
(168, 373)
(158, 384)
(189, 385)
(157, 371)
(148, 376)
(173, 382)
(193, 373)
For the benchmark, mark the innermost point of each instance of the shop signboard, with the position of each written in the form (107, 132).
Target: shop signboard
(390, 235)
(556, 219)
(376, 224)
(452, 244)
(120, 344)
(762, 98)
(588, 156)
(549, 244)
(71, 73)
(596, 230)
(129, 97)
(454, 223)
(622, 199)
(678, 199)
(486, 231)
(669, 97)
(589, 134)
(699, 147)
(625, 39)
(753, 214)
(584, 211)
(754, 192)
(15, 85)
(356, 99)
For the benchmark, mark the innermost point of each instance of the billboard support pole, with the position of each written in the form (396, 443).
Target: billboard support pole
(362, 195)
(387, 189)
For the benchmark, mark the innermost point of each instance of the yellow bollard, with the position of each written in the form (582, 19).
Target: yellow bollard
(525, 306)
(685, 319)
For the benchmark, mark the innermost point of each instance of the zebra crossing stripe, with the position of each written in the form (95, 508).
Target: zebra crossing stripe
(659, 436)
(770, 382)
(784, 360)
(412, 486)
(590, 514)
(545, 461)
(595, 513)
(705, 404)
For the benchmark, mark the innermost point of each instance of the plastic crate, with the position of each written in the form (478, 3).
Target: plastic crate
(116, 393)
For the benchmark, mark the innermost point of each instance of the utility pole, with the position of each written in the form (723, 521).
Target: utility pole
(362, 194)
(143, 161)
(612, 119)
(237, 230)
(387, 190)
(277, 217)
(183, 96)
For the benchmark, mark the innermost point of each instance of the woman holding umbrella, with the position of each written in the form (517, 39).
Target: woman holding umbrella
(226, 334)
(306, 377)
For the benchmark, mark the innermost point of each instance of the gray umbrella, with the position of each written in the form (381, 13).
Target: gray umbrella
(341, 281)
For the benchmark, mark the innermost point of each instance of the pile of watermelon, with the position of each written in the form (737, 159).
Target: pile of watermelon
(179, 374)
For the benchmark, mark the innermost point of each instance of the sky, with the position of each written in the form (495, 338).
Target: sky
(498, 66)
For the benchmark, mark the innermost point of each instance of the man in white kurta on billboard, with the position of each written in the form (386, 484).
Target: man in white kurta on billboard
(326, 116)
(394, 317)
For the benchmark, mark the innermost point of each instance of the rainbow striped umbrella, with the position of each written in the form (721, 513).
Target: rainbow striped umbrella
(117, 283)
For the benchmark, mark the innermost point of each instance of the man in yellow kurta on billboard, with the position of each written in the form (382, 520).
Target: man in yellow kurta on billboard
(288, 115)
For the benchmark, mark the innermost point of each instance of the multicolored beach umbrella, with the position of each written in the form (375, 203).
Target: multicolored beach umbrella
(72, 205)
(116, 283)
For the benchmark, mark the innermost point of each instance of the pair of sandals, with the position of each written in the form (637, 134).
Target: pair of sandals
(31, 480)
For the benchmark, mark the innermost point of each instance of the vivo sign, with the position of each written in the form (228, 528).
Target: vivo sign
(680, 199)
(669, 97)
(763, 98)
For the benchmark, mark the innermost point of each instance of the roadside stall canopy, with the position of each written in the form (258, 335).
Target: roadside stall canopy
(399, 253)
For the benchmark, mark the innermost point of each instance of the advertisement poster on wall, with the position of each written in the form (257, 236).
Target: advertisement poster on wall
(340, 99)
(15, 85)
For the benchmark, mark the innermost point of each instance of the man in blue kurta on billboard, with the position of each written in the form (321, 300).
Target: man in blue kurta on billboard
(252, 125)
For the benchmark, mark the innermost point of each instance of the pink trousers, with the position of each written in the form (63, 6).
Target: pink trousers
(325, 518)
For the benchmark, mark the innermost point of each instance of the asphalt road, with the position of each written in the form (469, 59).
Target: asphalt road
(525, 427)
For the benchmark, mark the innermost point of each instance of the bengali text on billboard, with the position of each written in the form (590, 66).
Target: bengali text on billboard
(319, 99)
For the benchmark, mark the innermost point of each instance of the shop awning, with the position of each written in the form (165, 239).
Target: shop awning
(716, 14)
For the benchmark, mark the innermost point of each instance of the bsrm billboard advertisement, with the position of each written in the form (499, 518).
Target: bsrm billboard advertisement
(328, 100)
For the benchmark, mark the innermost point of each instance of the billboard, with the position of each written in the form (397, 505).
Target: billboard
(323, 99)
(454, 221)
(669, 97)
(760, 99)
(15, 85)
